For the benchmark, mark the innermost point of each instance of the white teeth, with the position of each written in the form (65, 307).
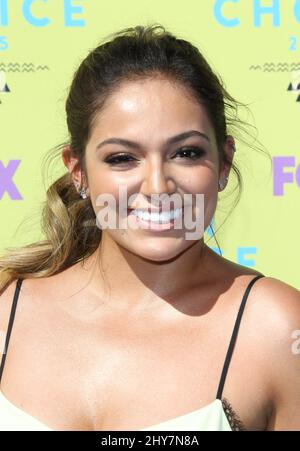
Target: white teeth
(163, 217)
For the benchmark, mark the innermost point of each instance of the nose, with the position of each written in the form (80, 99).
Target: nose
(157, 180)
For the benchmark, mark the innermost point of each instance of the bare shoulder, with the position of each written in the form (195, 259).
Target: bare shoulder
(281, 301)
(32, 292)
(38, 293)
(6, 300)
(271, 328)
(275, 307)
(278, 311)
(28, 287)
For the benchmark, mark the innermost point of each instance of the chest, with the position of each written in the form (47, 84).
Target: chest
(129, 373)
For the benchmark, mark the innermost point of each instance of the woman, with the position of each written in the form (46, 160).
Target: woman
(134, 328)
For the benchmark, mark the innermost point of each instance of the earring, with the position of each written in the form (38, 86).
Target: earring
(82, 191)
(223, 184)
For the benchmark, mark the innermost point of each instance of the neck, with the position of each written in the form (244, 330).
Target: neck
(126, 280)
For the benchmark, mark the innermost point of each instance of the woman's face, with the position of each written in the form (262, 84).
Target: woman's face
(149, 113)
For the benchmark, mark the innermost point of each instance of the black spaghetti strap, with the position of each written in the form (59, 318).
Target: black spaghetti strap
(10, 324)
(234, 335)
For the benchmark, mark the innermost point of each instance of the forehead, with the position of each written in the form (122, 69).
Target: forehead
(150, 108)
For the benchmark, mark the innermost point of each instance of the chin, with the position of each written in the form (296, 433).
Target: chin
(160, 252)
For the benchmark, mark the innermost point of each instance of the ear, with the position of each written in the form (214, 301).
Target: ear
(229, 149)
(72, 164)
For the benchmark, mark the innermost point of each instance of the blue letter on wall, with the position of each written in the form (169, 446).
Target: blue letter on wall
(241, 254)
(297, 10)
(219, 15)
(69, 11)
(30, 18)
(3, 13)
(274, 9)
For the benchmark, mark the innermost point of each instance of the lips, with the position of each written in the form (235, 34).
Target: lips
(155, 209)
(149, 209)
(150, 223)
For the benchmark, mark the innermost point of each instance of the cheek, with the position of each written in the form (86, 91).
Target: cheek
(200, 180)
(102, 182)
(102, 179)
(101, 191)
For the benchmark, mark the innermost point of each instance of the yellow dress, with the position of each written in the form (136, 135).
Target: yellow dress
(209, 418)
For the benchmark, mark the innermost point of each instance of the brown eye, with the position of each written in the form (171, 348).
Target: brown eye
(191, 153)
(119, 159)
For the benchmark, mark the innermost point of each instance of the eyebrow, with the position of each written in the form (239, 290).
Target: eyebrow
(172, 140)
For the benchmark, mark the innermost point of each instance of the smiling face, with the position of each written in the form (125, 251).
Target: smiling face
(148, 113)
